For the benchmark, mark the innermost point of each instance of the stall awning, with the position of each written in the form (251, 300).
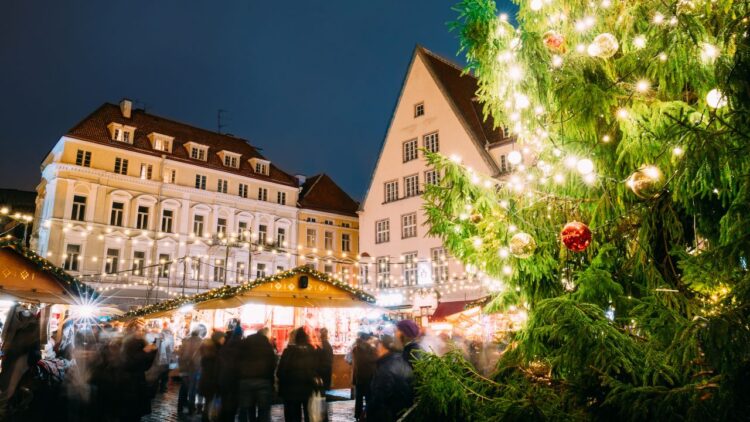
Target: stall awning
(27, 277)
(299, 287)
(445, 309)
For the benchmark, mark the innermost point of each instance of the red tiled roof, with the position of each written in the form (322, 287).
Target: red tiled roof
(445, 309)
(321, 193)
(94, 129)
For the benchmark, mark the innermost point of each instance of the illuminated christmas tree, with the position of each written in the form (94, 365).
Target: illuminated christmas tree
(624, 229)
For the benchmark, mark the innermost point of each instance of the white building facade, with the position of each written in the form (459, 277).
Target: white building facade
(436, 110)
(145, 208)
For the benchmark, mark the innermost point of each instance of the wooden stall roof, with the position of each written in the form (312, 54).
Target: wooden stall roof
(279, 289)
(27, 277)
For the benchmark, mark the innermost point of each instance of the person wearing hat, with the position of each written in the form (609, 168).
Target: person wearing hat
(391, 391)
(407, 333)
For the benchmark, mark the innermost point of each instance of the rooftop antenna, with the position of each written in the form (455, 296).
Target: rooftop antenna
(219, 125)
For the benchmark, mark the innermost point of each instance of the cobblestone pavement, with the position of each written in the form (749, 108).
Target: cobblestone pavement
(164, 409)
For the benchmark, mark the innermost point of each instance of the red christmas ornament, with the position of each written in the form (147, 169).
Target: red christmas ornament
(576, 236)
(554, 41)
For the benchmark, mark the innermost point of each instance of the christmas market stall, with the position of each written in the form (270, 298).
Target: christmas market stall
(300, 297)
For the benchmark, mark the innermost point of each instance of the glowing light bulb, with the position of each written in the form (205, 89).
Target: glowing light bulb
(515, 73)
(663, 57)
(709, 52)
(522, 101)
(558, 178)
(570, 161)
(716, 99)
(677, 151)
(639, 42)
(585, 166)
(643, 86)
(536, 5)
(515, 157)
(606, 138)
(658, 18)
(557, 61)
(622, 113)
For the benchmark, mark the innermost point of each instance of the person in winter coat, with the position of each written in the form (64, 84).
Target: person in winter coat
(363, 360)
(391, 390)
(407, 333)
(208, 382)
(229, 377)
(136, 357)
(326, 359)
(297, 375)
(164, 356)
(189, 363)
(257, 368)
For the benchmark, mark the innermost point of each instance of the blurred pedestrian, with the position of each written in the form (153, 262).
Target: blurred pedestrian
(391, 390)
(229, 378)
(326, 359)
(165, 357)
(257, 368)
(297, 375)
(363, 360)
(189, 365)
(407, 333)
(136, 357)
(208, 381)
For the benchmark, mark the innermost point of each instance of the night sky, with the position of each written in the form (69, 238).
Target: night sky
(312, 83)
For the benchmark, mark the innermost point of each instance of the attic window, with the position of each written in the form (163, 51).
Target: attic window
(161, 142)
(230, 159)
(197, 151)
(261, 166)
(419, 110)
(121, 133)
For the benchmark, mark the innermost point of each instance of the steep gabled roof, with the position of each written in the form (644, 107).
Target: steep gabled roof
(321, 193)
(94, 128)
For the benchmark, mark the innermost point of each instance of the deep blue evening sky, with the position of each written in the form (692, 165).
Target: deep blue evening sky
(312, 83)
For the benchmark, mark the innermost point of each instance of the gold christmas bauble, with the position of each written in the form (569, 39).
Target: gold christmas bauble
(522, 245)
(646, 183)
(604, 45)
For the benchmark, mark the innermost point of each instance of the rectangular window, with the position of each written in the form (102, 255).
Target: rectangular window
(382, 231)
(261, 168)
(164, 265)
(221, 227)
(280, 236)
(126, 136)
(410, 150)
(244, 235)
(328, 240)
(439, 265)
(364, 274)
(411, 185)
(79, 208)
(391, 191)
(113, 261)
(115, 218)
(328, 222)
(222, 186)
(170, 175)
(383, 272)
(139, 259)
(328, 269)
(72, 253)
(312, 238)
(142, 218)
(431, 142)
(198, 153)
(345, 225)
(419, 110)
(311, 219)
(83, 158)
(431, 177)
(161, 145)
(200, 181)
(230, 161)
(410, 269)
(195, 269)
(409, 225)
(121, 165)
(198, 225)
(260, 270)
(146, 170)
(116, 135)
(262, 234)
(240, 272)
(281, 198)
(346, 242)
(166, 221)
(262, 194)
(242, 190)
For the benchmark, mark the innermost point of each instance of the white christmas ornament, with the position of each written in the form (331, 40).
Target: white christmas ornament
(515, 157)
(716, 99)
(604, 45)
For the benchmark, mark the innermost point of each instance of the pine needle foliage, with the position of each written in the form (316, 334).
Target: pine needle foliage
(650, 322)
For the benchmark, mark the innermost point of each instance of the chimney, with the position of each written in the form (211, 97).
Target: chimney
(301, 179)
(126, 106)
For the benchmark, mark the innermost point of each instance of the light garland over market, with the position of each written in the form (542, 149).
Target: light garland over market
(225, 292)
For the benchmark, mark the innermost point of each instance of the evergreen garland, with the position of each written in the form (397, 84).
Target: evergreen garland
(670, 262)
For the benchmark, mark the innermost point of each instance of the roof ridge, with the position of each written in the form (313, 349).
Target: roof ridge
(446, 61)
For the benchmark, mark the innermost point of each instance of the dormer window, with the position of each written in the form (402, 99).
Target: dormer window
(121, 133)
(230, 159)
(197, 151)
(161, 142)
(261, 166)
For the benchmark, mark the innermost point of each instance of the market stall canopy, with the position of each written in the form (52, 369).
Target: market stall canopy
(27, 277)
(299, 287)
(446, 309)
